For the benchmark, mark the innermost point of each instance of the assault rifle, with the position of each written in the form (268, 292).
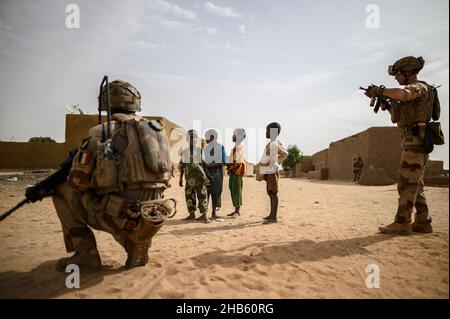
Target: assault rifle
(45, 187)
(379, 101)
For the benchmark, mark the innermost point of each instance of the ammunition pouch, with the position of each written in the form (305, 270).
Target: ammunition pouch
(105, 175)
(136, 218)
(433, 136)
(153, 214)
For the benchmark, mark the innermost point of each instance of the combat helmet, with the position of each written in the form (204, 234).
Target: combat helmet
(123, 97)
(407, 65)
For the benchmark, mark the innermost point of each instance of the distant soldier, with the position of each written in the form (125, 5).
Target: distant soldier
(358, 165)
(413, 107)
(111, 193)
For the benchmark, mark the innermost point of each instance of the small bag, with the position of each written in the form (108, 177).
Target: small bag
(438, 135)
(433, 136)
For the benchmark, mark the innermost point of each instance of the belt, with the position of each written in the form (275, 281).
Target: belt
(409, 129)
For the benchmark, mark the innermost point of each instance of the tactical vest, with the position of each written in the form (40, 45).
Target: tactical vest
(141, 156)
(420, 110)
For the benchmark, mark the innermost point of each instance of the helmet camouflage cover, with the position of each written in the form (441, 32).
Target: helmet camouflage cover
(123, 96)
(407, 64)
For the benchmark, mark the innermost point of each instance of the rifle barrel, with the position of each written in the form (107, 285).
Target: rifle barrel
(11, 210)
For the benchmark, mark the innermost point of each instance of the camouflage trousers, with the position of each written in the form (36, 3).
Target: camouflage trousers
(194, 193)
(411, 184)
(78, 211)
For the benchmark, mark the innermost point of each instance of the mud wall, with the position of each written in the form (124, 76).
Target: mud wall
(385, 149)
(320, 160)
(50, 155)
(31, 155)
(434, 168)
(342, 153)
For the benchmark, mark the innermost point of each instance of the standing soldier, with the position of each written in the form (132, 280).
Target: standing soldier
(357, 168)
(412, 108)
(111, 193)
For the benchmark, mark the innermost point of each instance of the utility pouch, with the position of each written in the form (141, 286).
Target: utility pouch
(156, 211)
(105, 175)
(433, 136)
(436, 131)
(111, 204)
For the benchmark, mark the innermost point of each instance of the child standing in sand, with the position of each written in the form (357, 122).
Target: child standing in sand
(269, 165)
(236, 170)
(214, 160)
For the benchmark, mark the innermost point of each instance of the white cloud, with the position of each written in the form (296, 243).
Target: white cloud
(142, 44)
(211, 30)
(221, 11)
(170, 24)
(232, 48)
(164, 7)
(233, 61)
(242, 29)
(173, 25)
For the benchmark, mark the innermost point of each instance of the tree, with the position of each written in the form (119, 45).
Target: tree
(295, 155)
(41, 139)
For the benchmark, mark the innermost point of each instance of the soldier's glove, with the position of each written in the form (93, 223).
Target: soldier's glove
(33, 193)
(373, 91)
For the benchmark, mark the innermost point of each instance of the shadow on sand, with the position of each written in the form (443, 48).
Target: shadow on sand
(210, 228)
(45, 282)
(300, 251)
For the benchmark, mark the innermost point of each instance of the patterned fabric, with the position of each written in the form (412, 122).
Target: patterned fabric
(416, 90)
(193, 167)
(193, 194)
(410, 186)
(237, 161)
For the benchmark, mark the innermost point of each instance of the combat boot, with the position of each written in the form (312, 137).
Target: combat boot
(86, 260)
(422, 227)
(396, 228)
(137, 253)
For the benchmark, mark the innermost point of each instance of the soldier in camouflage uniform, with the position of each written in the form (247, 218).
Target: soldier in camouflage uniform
(413, 107)
(191, 166)
(358, 165)
(107, 194)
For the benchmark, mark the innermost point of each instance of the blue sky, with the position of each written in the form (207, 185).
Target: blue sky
(226, 63)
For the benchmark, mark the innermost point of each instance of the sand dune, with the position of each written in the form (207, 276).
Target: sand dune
(325, 238)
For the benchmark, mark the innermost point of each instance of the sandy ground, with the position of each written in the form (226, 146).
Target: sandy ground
(325, 239)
